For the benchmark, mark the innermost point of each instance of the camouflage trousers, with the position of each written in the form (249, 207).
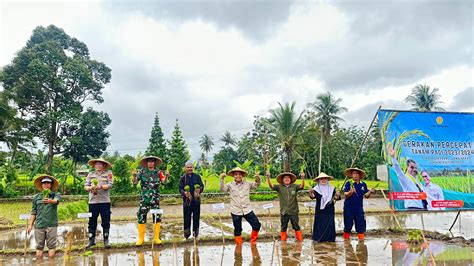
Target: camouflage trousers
(143, 210)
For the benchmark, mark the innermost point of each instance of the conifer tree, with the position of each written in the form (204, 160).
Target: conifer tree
(178, 155)
(156, 144)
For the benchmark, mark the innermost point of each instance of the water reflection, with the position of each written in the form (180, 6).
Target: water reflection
(389, 221)
(359, 256)
(191, 257)
(154, 260)
(372, 251)
(126, 232)
(239, 256)
(291, 253)
(409, 254)
(326, 253)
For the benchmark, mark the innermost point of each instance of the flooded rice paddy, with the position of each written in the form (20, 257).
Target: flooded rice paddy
(379, 249)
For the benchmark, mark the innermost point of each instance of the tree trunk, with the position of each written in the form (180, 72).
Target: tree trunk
(51, 140)
(287, 161)
(14, 152)
(320, 152)
(49, 166)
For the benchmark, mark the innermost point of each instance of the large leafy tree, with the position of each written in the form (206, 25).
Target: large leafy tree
(259, 145)
(179, 154)
(89, 137)
(425, 99)
(157, 144)
(326, 110)
(122, 182)
(287, 126)
(224, 158)
(49, 80)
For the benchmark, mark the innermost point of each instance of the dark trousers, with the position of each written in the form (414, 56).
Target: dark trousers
(284, 219)
(250, 217)
(195, 211)
(358, 218)
(104, 210)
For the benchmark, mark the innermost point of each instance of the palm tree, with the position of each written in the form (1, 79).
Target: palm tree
(287, 126)
(206, 143)
(327, 109)
(424, 99)
(228, 139)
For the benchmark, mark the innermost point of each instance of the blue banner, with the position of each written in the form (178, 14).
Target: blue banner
(430, 159)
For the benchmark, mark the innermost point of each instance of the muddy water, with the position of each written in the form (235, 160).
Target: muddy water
(172, 229)
(436, 222)
(119, 233)
(372, 251)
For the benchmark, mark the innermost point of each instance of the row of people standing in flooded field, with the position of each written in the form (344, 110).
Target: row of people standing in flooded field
(324, 229)
(99, 182)
(191, 187)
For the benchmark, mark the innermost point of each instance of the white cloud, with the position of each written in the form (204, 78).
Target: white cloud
(214, 72)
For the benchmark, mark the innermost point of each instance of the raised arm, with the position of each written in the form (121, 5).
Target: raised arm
(223, 188)
(257, 182)
(134, 177)
(395, 163)
(269, 181)
(302, 180)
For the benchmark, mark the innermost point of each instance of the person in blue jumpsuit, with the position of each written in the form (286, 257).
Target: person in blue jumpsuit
(354, 193)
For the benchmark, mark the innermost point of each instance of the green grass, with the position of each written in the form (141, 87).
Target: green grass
(70, 210)
(454, 183)
(23, 181)
(212, 184)
(10, 211)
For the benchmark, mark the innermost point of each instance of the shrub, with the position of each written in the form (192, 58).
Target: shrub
(63, 213)
(263, 197)
(70, 210)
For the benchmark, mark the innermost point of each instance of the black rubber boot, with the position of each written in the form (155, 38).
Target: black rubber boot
(91, 240)
(106, 240)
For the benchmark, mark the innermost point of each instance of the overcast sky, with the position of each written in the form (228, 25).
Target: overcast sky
(215, 64)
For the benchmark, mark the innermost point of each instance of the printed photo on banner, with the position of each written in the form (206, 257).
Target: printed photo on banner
(430, 159)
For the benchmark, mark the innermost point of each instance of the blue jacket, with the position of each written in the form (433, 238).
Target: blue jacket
(354, 204)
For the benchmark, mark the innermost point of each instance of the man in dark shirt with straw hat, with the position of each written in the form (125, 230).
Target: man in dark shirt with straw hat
(44, 214)
(150, 178)
(354, 193)
(98, 184)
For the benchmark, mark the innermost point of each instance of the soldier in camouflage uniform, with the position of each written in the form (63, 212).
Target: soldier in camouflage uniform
(150, 180)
